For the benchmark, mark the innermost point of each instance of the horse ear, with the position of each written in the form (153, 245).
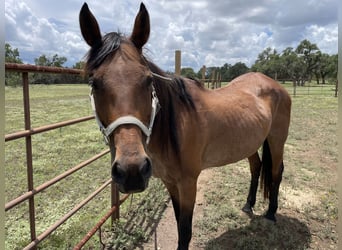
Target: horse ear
(89, 27)
(141, 30)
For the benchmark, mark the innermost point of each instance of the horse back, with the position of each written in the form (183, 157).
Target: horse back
(232, 122)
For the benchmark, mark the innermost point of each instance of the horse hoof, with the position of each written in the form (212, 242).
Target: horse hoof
(270, 217)
(247, 209)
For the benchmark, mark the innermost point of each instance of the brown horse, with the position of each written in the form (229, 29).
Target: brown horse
(195, 128)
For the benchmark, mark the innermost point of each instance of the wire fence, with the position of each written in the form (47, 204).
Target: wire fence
(310, 89)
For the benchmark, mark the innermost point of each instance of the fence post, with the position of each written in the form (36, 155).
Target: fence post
(178, 63)
(213, 75)
(203, 70)
(30, 186)
(219, 80)
(115, 202)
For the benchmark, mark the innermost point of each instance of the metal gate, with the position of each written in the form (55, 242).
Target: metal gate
(28, 196)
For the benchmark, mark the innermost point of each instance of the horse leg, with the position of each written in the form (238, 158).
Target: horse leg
(173, 191)
(274, 191)
(187, 197)
(255, 167)
(276, 168)
(183, 196)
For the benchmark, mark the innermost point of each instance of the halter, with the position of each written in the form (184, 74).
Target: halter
(129, 119)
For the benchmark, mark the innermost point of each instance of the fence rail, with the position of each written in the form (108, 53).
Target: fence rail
(32, 131)
(32, 191)
(312, 90)
(27, 68)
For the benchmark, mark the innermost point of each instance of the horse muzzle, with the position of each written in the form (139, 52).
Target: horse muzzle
(132, 176)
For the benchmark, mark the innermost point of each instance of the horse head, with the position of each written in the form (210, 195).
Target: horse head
(123, 96)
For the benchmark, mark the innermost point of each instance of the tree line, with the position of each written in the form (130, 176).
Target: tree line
(299, 65)
(12, 55)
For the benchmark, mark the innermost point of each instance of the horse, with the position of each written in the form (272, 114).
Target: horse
(173, 127)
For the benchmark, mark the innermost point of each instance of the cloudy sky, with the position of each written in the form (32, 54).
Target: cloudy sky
(208, 32)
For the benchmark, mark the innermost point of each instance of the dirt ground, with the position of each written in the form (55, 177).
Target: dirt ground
(165, 235)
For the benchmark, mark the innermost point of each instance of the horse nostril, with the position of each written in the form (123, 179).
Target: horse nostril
(146, 168)
(118, 174)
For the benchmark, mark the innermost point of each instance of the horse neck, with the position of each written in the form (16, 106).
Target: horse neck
(164, 137)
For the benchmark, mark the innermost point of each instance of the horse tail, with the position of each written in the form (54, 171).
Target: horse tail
(266, 172)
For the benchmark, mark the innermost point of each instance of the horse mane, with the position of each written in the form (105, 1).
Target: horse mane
(100, 51)
(170, 93)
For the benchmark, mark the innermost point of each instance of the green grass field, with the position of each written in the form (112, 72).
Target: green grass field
(307, 214)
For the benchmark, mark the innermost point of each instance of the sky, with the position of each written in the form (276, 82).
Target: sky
(207, 32)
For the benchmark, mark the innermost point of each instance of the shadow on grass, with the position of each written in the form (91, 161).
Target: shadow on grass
(287, 233)
(140, 222)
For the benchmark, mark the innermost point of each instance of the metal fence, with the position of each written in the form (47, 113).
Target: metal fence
(310, 89)
(27, 133)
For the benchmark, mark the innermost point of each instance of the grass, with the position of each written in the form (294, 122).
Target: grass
(308, 205)
(53, 153)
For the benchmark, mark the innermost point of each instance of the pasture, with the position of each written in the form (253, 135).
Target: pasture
(308, 205)
(307, 214)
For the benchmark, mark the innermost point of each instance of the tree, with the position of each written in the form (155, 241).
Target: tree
(333, 67)
(236, 70)
(79, 65)
(311, 56)
(268, 62)
(42, 61)
(322, 69)
(225, 72)
(54, 61)
(188, 72)
(211, 71)
(78, 78)
(12, 56)
(58, 61)
(299, 65)
(292, 66)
